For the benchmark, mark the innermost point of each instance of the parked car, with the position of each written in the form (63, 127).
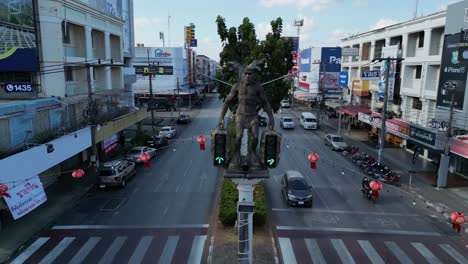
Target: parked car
(287, 122)
(134, 153)
(168, 131)
(262, 121)
(115, 173)
(335, 142)
(183, 119)
(296, 190)
(157, 141)
(308, 120)
(285, 104)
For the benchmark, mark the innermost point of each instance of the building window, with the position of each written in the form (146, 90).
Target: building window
(418, 72)
(421, 39)
(417, 104)
(65, 32)
(68, 74)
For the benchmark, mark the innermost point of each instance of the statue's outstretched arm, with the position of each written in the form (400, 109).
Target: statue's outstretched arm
(227, 103)
(267, 108)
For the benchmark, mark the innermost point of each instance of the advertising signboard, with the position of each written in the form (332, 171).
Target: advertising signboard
(344, 78)
(350, 52)
(453, 72)
(306, 56)
(18, 50)
(25, 197)
(330, 71)
(392, 52)
(370, 75)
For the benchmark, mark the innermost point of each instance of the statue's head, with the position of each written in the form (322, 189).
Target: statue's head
(250, 72)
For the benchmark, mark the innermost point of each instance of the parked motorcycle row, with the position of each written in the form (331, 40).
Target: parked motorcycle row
(371, 167)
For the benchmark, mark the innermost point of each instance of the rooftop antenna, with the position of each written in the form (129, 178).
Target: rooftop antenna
(416, 10)
(169, 28)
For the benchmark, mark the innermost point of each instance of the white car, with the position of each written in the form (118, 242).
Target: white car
(168, 131)
(287, 122)
(285, 104)
(335, 142)
(134, 153)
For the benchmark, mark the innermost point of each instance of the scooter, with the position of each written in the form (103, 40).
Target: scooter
(391, 178)
(370, 195)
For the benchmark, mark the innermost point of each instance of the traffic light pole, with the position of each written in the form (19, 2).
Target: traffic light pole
(92, 119)
(445, 158)
(150, 75)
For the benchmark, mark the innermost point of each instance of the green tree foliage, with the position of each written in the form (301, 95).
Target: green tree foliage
(240, 45)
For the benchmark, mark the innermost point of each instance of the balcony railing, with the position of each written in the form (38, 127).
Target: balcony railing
(76, 88)
(73, 51)
(98, 53)
(431, 85)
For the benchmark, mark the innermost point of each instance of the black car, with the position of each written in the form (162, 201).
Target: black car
(262, 120)
(157, 142)
(183, 119)
(296, 190)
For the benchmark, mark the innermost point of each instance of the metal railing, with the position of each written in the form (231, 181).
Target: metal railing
(76, 88)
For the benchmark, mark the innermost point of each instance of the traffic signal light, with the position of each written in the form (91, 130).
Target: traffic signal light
(219, 140)
(270, 148)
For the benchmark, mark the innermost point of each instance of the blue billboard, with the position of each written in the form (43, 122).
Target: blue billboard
(18, 50)
(330, 71)
(332, 59)
(344, 78)
(306, 56)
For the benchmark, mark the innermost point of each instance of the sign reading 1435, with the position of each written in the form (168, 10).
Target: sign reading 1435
(18, 87)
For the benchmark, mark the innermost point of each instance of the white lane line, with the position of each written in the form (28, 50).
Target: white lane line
(177, 188)
(371, 253)
(197, 249)
(314, 251)
(140, 251)
(85, 250)
(287, 250)
(342, 251)
(357, 230)
(52, 255)
(169, 249)
(165, 211)
(454, 254)
(78, 227)
(426, 253)
(305, 210)
(398, 252)
(114, 248)
(30, 250)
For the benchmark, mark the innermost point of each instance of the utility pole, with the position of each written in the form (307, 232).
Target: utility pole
(92, 115)
(341, 111)
(151, 104)
(298, 23)
(322, 92)
(388, 61)
(178, 95)
(445, 158)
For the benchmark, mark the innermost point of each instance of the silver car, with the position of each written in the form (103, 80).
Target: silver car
(168, 131)
(115, 173)
(335, 142)
(134, 153)
(287, 122)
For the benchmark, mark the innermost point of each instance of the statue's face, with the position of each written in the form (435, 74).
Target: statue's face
(249, 77)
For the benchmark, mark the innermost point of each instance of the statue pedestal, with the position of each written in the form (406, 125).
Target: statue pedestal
(240, 174)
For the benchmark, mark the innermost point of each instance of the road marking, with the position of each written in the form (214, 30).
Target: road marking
(453, 253)
(313, 210)
(141, 249)
(356, 230)
(112, 250)
(30, 250)
(342, 251)
(78, 227)
(177, 188)
(169, 249)
(398, 252)
(314, 251)
(426, 253)
(287, 250)
(85, 250)
(165, 211)
(197, 249)
(371, 252)
(49, 258)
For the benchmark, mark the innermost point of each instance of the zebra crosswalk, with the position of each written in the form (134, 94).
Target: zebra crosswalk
(117, 244)
(341, 247)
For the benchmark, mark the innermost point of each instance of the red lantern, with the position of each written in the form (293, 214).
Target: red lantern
(77, 173)
(313, 158)
(457, 220)
(145, 157)
(201, 140)
(375, 185)
(4, 190)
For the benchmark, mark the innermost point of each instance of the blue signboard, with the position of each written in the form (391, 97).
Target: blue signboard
(305, 60)
(193, 43)
(370, 75)
(295, 41)
(18, 87)
(344, 78)
(332, 59)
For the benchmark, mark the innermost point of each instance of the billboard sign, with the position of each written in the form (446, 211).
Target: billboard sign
(18, 51)
(18, 87)
(332, 59)
(330, 67)
(350, 52)
(370, 75)
(306, 56)
(344, 78)
(453, 72)
(392, 52)
(25, 197)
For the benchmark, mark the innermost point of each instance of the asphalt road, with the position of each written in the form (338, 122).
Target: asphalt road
(341, 217)
(161, 215)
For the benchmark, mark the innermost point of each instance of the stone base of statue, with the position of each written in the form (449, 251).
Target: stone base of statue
(239, 173)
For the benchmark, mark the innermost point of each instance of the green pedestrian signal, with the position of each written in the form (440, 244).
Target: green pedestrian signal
(219, 141)
(270, 148)
(271, 162)
(219, 160)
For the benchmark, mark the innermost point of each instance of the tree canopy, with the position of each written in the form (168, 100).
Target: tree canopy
(241, 47)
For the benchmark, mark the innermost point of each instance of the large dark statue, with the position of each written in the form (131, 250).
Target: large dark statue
(250, 97)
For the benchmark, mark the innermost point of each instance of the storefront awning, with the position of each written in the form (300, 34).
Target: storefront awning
(394, 126)
(354, 110)
(459, 146)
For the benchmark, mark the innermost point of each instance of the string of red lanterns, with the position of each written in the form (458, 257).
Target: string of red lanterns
(145, 157)
(77, 174)
(457, 219)
(201, 140)
(4, 190)
(313, 158)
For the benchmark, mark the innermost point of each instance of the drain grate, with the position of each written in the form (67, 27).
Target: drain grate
(113, 204)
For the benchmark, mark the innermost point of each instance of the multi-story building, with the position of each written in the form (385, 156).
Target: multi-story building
(419, 43)
(56, 55)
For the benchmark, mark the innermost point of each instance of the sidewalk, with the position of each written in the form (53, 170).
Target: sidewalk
(61, 196)
(443, 201)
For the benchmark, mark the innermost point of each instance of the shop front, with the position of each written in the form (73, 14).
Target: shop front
(397, 130)
(431, 141)
(459, 157)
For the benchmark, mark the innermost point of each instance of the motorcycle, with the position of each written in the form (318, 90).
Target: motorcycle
(371, 168)
(391, 178)
(370, 195)
(350, 150)
(368, 161)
